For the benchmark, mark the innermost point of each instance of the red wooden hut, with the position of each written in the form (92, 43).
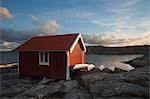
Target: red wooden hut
(51, 56)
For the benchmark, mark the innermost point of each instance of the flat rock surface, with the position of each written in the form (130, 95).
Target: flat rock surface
(94, 84)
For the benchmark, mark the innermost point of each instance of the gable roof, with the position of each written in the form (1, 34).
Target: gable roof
(64, 42)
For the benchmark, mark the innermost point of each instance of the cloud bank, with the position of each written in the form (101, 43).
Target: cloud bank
(10, 38)
(117, 39)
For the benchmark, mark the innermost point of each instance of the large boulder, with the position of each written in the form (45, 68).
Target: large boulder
(107, 85)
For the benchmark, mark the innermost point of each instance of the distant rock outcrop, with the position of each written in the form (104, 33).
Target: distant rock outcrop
(140, 61)
(145, 49)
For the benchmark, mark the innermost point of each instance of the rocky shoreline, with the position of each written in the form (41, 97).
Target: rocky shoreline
(94, 84)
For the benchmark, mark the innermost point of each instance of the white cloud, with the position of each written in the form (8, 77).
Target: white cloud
(5, 14)
(44, 27)
(33, 17)
(70, 15)
(123, 7)
(123, 24)
(123, 17)
(50, 26)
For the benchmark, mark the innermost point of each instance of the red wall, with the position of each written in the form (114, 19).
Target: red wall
(77, 56)
(29, 65)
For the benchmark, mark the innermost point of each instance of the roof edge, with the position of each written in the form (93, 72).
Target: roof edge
(21, 44)
(76, 41)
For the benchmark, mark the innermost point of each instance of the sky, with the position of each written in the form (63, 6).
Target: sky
(102, 22)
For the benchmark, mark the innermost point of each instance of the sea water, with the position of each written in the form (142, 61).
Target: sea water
(111, 60)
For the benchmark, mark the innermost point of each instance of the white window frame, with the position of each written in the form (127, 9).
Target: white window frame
(43, 62)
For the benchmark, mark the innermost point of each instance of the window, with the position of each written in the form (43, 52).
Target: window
(43, 58)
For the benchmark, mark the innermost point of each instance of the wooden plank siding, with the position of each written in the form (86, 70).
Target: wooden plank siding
(77, 56)
(29, 65)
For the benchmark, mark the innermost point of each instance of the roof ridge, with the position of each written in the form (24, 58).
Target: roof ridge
(55, 35)
(51, 42)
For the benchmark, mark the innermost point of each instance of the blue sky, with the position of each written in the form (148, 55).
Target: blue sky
(98, 17)
(90, 16)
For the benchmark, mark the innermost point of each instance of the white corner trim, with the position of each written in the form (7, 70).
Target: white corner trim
(67, 67)
(76, 41)
(83, 43)
(18, 62)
